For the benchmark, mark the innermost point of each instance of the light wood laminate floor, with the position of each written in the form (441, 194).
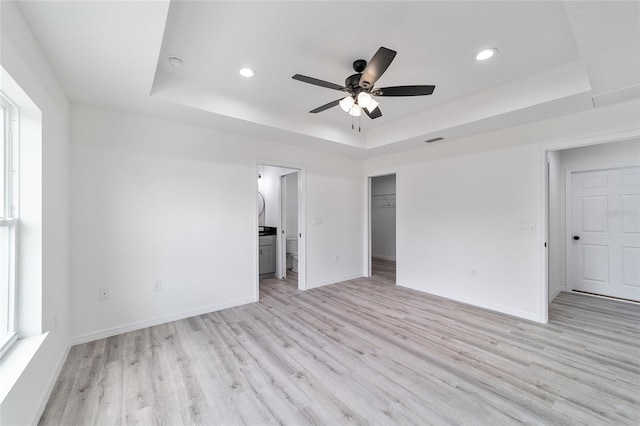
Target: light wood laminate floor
(361, 352)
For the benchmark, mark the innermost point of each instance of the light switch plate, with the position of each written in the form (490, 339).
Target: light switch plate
(527, 225)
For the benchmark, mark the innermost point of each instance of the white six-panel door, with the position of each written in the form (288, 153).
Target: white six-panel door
(605, 229)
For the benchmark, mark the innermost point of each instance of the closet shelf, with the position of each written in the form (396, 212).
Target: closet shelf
(381, 201)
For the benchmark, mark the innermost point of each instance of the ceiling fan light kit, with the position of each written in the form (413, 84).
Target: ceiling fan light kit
(364, 99)
(360, 86)
(347, 103)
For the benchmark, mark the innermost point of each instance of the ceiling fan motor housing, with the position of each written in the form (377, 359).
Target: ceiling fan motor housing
(359, 65)
(353, 82)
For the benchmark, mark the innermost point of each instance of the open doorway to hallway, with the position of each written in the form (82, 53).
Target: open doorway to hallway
(594, 221)
(382, 210)
(279, 228)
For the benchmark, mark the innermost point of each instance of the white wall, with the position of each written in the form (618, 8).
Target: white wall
(555, 253)
(383, 219)
(463, 213)
(269, 185)
(157, 200)
(25, 62)
(610, 155)
(460, 204)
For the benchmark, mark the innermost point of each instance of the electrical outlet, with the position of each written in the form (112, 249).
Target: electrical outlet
(157, 286)
(336, 258)
(104, 294)
(474, 273)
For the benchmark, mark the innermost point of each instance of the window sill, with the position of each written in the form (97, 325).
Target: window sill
(16, 361)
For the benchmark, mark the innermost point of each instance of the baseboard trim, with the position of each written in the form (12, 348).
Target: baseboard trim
(481, 304)
(555, 293)
(383, 257)
(125, 328)
(333, 281)
(50, 385)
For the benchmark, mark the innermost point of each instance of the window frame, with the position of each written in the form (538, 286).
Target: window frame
(11, 118)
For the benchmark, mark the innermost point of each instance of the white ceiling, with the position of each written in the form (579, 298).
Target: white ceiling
(552, 57)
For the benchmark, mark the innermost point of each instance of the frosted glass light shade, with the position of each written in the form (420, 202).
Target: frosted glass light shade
(347, 103)
(373, 104)
(364, 99)
(355, 110)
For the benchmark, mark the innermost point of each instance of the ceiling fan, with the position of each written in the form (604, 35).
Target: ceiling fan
(360, 86)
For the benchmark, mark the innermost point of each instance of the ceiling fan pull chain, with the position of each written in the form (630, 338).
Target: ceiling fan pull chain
(352, 124)
(360, 124)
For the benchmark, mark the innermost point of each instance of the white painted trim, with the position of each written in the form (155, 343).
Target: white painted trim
(256, 242)
(333, 281)
(543, 240)
(281, 267)
(125, 328)
(576, 142)
(480, 304)
(16, 361)
(367, 232)
(50, 384)
(383, 257)
(555, 293)
(8, 222)
(568, 247)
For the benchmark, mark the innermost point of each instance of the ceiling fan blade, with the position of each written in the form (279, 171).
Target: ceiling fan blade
(404, 91)
(376, 67)
(373, 114)
(317, 82)
(325, 106)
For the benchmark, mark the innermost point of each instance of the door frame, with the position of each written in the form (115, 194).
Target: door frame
(559, 145)
(282, 266)
(367, 221)
(302, 222)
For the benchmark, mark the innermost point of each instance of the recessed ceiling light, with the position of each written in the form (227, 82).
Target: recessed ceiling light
(175, 62)
(485, 54)
(246, 72)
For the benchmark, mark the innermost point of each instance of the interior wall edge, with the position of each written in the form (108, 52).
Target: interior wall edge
(333, 281)
(556, 292)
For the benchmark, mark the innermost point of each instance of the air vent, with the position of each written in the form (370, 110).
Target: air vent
(616, 96)
(434, 140)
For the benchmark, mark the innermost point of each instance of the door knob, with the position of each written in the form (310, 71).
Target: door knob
(576, 237)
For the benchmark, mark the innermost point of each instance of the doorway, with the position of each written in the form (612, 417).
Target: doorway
(593, 225)
(382, 231)
(280, 248)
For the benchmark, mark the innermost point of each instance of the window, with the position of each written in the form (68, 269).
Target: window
(8, 221)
